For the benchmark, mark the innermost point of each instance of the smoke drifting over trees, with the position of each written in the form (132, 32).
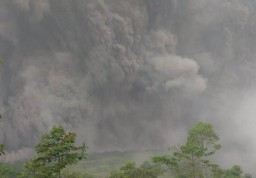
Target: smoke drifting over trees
(128, 74)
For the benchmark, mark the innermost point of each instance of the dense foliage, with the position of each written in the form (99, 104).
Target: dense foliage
(234, 172)
(192, 160)
(55, 151)
(72, 174)
(130, 170)
(7, 171)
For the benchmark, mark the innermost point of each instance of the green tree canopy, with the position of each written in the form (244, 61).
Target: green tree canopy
(234, 172)
(8, 171)
(191, 160)
(55, 151)
(130, 170)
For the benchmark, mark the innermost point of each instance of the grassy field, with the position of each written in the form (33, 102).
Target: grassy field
(102, 164)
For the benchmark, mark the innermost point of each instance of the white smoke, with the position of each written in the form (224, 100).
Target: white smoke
(168, 72)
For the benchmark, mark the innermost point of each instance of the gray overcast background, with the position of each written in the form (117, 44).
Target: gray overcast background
(129, 74)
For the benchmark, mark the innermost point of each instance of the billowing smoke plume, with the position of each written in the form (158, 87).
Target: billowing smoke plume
(127, 74)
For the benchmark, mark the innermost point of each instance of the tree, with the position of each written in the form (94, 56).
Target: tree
(55, 151)
(191, 160)
(234, 172)
(73, 174)
(8, 171)
(2, 146)
(247, 176)
(130, 170)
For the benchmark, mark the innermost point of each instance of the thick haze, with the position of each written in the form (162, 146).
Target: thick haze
(129, 74)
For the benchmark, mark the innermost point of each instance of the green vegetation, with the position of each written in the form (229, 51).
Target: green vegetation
(192, 160)
(56, 151)
(234, 172)
(8, 171)
(57, 157)
(146, 170)
(2, 146)
(72, 174)
(57, 154)
(100, 165)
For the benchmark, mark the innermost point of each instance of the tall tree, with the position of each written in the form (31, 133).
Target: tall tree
(55, 151)
(191, 160)
(203, 136)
